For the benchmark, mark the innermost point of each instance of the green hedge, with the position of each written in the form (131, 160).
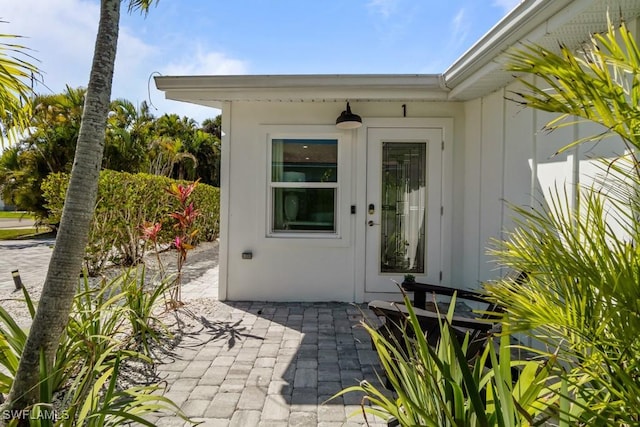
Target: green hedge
(125, 202)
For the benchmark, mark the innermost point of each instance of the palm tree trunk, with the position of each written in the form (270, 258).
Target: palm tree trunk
(66, 261)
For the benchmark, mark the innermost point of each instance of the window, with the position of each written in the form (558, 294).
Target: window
(304, 185)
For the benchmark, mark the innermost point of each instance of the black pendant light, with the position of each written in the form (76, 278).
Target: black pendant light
(348, 120)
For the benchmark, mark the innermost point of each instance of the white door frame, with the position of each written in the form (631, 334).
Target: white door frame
(360, 171)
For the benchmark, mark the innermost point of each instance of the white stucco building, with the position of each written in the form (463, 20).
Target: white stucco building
(311, 212)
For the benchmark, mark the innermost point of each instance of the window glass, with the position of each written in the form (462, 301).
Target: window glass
(304, 160)
(403, 215)
(304, 185)
(304, 209)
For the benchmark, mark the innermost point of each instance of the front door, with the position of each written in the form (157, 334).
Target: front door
(404, 189)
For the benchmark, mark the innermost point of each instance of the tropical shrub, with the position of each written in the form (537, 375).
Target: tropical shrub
(84, 386)
(582, 297)
(438, 387)
(142, 300)
(125, 202)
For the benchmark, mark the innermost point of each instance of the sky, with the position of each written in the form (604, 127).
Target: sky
(215, 37)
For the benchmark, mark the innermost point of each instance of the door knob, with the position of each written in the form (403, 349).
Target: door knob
(371, 223)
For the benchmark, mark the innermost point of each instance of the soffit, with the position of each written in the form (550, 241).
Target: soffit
(572, 25)
(214, 90)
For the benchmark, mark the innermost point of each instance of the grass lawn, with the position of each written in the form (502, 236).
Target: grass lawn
(9, 214)
(16, 233)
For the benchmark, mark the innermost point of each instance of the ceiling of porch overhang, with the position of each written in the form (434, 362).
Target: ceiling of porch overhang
(478, 72)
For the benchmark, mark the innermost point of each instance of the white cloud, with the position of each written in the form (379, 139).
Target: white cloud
(506, 5)
(459, 23)
(460, 26)
(196, 62)
(62, 36)
(202, 62)
(385, 8)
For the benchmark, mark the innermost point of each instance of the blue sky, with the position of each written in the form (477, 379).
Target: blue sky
(187, 37)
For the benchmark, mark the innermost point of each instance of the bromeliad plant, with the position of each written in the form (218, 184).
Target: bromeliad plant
(437, 387)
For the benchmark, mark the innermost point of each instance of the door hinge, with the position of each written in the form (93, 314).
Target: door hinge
(441, 276)
(442, 145)
(441, 210)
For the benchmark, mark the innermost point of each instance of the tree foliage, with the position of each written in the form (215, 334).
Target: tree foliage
(135, 141)
(16, 73)
(48, 148)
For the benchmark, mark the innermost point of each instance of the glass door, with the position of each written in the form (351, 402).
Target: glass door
(404, 202)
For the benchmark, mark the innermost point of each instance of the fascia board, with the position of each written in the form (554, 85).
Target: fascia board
(527, 22)
(206, 90)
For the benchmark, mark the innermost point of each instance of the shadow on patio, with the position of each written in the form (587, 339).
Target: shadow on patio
(266, 363)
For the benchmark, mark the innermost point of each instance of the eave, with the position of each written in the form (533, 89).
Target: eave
(481, 69)
(214, 90)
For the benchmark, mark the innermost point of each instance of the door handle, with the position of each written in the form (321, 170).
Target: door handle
(371, 223)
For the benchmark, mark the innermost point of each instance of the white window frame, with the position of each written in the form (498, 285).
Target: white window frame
(338, 185)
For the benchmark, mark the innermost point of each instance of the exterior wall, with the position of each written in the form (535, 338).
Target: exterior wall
(500, 156)
(305, 269)
(510, 159)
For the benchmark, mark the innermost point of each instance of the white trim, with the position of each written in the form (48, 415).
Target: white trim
(446, 124)
(341, 236)
(212, 90)
(447, 200)
(225, 195)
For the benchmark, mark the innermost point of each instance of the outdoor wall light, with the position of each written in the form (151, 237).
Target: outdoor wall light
(348, 120)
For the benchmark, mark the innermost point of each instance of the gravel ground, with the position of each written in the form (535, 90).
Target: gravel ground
(31, 257)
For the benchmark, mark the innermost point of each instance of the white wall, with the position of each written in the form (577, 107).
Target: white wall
(500, 155)
(510, 159)
(296, 269)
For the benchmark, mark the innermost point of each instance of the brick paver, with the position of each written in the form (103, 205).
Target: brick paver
(253, 363)
(276, 365)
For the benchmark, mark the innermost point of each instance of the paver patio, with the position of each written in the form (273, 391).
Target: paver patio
(272, 364)
(249, 363)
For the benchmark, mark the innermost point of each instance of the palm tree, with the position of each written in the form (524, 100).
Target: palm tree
(584, 264)
(66, 261)
(168, 152)
(600, 87)
(56, 125)
(15, 92)
(128, 130)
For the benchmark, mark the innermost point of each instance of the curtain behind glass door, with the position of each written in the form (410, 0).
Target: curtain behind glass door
(404, 196)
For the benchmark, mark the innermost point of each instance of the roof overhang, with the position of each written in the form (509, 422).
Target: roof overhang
(214, 90)
(480, 70)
